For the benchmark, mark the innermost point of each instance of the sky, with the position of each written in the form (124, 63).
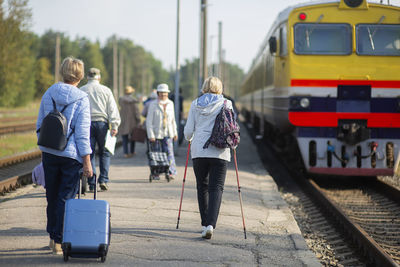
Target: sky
(152, 24)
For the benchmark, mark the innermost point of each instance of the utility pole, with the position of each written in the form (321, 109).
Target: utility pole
(121, 74)
(220, 50)
(204, 63)
(115, 67)
(57, 59)
(203, 44)
(177, 70)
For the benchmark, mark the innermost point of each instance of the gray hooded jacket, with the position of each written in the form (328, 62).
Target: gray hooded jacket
(200, 123)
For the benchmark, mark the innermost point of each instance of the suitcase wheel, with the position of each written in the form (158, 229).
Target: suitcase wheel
(65, 256)
(66, 247)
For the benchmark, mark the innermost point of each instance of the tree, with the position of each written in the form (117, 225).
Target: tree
(16, 57)
(43, 77)
(92, 57)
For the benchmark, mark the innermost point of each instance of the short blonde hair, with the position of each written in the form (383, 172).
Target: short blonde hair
(72, 70)
(212, 85)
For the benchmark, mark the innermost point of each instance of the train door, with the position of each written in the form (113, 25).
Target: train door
(281, 70)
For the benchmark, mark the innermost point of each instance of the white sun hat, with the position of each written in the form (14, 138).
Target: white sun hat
(162, 88)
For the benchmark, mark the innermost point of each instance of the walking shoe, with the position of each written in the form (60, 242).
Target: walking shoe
(51, 244)
(91, 188)
(104, 186)
(203, 228)
(57, 249)
(207, 234)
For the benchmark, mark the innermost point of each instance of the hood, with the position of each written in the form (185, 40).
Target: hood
(128, 99)
(65, 94)
(208, 103)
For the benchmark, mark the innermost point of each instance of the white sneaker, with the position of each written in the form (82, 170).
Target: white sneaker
(208, 232)
(203, 228)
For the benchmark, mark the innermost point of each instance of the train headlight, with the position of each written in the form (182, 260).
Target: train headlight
(353, 3)
(304, 102)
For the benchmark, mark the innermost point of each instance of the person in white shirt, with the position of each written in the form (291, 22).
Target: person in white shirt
(104, 115)
(161, 125)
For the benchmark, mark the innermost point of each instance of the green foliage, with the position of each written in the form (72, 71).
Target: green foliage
(27, 61)
(189, 78)
(16, 58)
(43, 77)
(91, 55)
(140, 69)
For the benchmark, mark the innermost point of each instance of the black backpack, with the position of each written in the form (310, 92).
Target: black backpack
(54, 129)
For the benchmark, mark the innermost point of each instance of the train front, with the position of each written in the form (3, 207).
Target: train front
(345, 87)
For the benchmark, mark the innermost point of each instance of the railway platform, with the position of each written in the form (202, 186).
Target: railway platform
(144, 218)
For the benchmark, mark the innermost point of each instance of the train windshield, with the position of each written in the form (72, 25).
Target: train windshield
(322, 39)
(380, 40)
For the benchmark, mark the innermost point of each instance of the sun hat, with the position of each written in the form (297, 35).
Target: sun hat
(129, 89)
(162, 88)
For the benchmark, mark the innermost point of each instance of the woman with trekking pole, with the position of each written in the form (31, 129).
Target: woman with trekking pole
(209, 164)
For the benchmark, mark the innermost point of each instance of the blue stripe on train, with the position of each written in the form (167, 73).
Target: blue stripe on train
(329, 104)
(329, 132)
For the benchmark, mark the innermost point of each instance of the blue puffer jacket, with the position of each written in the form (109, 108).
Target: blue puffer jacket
(77, 114)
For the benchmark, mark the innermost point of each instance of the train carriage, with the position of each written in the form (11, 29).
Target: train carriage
(329, 73)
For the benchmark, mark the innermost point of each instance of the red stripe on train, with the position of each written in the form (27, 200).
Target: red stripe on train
(330, 119)
(335, 83)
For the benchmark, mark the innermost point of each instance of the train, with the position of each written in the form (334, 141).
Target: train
(328, 74)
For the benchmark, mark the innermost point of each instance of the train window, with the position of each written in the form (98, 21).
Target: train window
(322, 39)
(282, 41)
(380, 40)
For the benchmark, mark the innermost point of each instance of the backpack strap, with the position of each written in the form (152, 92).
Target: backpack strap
(54, 104)
(55, 107)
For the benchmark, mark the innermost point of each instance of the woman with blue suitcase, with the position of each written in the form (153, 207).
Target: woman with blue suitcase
(61, 167)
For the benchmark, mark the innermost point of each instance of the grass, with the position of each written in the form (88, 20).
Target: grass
(28, 110)
(17, 143)
(12, 144)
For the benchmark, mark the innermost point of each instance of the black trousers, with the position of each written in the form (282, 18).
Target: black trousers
(210, 178)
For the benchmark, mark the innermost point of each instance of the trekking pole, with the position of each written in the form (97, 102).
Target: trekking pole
(183, 186)
(240, 196)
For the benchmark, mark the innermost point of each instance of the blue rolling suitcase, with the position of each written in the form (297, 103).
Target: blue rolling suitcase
(87, 228)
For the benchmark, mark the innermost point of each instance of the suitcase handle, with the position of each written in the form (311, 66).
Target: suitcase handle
(80, 186)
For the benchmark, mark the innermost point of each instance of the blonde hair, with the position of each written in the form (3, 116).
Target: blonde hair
(212, 85)
(72, 70)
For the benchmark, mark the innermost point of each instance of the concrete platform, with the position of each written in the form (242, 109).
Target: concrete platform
(144, 217)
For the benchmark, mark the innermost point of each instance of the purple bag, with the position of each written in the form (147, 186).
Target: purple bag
(226, 130)
(38, 175)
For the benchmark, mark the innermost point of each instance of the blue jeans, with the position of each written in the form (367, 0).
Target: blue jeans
(126, 142)
(62, 182)
(210, 179)
(98, 132)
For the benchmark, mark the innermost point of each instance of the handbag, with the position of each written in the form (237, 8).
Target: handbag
(139, 134)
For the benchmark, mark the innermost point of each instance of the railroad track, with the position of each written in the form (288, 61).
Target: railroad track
(18, 128)
(368, 210)
(16, 170)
